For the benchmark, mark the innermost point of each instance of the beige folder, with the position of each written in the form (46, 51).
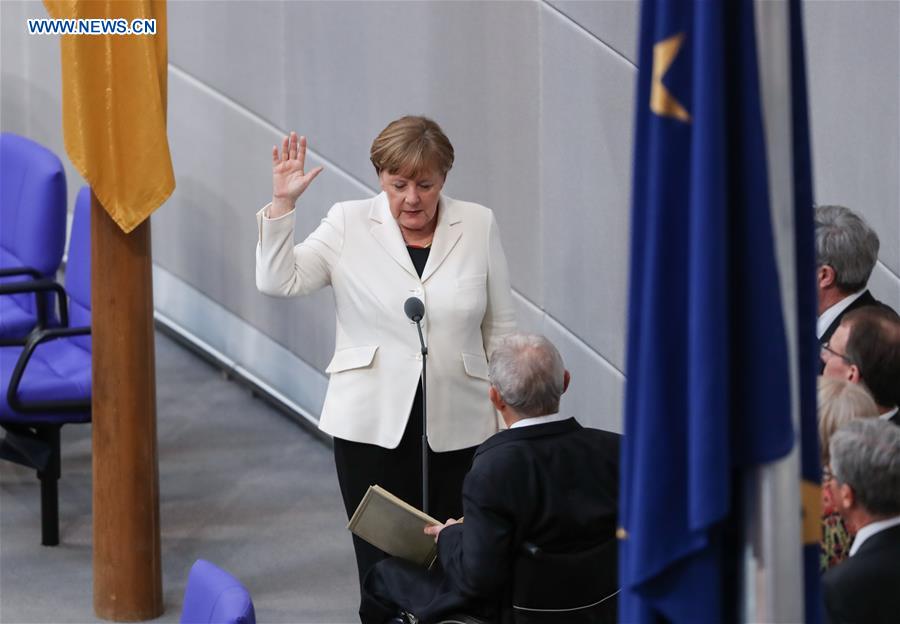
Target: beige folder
(394, 526)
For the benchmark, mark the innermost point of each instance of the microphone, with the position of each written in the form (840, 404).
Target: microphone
(414, 309)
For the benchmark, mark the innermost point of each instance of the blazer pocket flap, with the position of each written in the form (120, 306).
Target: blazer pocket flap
(475, 365)
(471, 281)
(350, 358)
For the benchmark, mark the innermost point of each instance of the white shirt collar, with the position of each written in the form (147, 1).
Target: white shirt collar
(889, 414)
(538, 420)
(834, 311)
(871, 529)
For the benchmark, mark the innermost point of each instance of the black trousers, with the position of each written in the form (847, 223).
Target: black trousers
(399, 471)
(395, 585)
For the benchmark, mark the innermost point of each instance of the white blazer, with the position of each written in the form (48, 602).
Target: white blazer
(359, 250)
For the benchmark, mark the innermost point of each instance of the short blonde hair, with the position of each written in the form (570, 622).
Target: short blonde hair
(840, 401)
(411, 146)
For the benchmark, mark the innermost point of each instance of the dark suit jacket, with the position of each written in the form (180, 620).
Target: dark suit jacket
(865, 299)
(866, 587)
(555, 485)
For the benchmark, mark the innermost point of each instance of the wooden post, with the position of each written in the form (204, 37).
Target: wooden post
(127, 574)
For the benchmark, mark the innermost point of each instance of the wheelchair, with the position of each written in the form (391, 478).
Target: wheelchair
(555, 588)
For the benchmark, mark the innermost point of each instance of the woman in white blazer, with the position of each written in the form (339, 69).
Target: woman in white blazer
(409, 240)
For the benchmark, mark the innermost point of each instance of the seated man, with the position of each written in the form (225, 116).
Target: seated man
(865, 464)
(865, 350)
(545, 480)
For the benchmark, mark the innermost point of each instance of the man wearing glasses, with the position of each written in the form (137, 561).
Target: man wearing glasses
(865, 349)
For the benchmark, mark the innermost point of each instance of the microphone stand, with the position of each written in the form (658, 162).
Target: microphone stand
(424, 421)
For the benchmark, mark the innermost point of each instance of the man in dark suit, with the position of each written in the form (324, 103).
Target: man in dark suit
(865, 463)
(546, 480)
(846, 253)
(865, 350)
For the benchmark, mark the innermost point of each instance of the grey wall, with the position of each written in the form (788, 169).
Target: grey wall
(537, 97)
(854, 84)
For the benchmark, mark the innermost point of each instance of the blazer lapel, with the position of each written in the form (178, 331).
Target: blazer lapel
(386, 231)
(446, 234)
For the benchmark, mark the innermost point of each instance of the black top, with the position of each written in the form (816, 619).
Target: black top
(419, 256)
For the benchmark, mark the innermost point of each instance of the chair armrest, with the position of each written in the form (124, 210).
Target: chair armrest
(38, 286)
(35, 339)
(24, 270)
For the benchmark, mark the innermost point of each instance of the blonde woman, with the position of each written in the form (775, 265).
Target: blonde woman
(840, 401)
(408, 240)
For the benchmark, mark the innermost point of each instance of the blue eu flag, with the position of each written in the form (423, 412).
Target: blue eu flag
(709, 392)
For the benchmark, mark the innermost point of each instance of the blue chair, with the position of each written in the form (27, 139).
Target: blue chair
(213, 596)
(32, 231)
(46, 383)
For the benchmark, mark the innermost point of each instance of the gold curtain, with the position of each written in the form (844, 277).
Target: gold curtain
(114, 107)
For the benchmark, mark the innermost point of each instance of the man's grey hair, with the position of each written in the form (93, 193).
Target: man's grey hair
(528, 372)
(865, 454)
(847, 244)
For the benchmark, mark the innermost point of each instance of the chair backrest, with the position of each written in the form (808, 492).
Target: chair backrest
(32, 205)
(78, 266)
(213, 596)
(577, 587)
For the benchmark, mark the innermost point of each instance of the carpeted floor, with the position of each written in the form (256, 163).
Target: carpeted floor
(240, 485)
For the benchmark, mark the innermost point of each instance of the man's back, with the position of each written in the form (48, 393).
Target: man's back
(545, 481)
(864, 588)
(554, 485)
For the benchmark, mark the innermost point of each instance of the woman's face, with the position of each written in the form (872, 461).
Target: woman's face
(413, 201)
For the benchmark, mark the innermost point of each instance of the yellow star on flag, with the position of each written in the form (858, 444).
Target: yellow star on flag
(662, 102)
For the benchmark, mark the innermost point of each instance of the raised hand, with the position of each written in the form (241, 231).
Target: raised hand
(289, 179)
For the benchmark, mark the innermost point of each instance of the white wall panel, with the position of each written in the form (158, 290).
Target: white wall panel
(45, 95)
(30, 95)
(206, 233)
(885, 286)
(614, 22)
(14, 78)
(597, 389)
(239, 347)
(472, 66)
(236, 47)
(529, 317)
(854, 78)
(585, 171)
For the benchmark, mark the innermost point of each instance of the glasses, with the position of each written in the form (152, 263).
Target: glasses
(827, 349)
